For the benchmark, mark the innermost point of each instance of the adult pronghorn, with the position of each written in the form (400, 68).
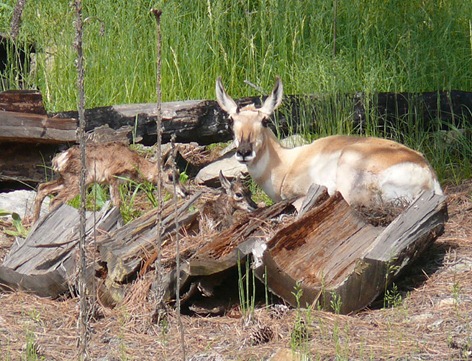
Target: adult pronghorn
(367, 171)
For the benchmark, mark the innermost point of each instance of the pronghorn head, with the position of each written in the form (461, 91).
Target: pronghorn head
(248, 122)
(240, 196)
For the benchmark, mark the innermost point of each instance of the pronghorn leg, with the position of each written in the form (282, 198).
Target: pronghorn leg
(115, 192)
(65, 194)
(44, 190)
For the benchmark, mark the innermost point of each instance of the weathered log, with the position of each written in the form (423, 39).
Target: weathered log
(223, 252)
(22, 101)
(191, 121)
(23, 118)
(36, 128)
(331, 251)
(45, 262)
(202, 121)
(131, 247)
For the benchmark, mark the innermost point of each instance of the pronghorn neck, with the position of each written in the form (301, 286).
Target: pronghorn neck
(266, 169)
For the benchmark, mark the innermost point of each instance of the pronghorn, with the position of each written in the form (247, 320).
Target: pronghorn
(106, 163)
(235, 196)
(367, 171)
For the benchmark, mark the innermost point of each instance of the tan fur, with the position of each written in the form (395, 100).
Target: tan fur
(235, 197)
(105, 163)
(366, 170)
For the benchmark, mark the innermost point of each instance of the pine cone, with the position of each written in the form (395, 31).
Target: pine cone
(262, 334)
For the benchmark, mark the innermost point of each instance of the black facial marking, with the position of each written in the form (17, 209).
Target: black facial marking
(265, 122)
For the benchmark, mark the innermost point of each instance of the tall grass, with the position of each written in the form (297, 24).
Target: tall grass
(380, 46)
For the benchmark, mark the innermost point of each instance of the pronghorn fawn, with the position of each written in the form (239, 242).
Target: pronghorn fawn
(235, 197)
(367, 171)
(106, 163)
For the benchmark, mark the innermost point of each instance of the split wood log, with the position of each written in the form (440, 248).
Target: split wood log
(126, 250)
(24, 119)
(45, 262)
(331, 251)
(27, 128)
(224, 251)
(328, 250)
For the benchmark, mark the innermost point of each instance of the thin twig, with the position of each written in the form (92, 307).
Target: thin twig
(177, 251)
(83, 317)
(158, 265)
(257, 87)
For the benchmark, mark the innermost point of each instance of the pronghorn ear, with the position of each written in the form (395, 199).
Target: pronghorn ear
(225, 183)
(274, 99)
(224, 100)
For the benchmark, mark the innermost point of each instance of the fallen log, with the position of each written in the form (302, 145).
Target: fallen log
(342, 263)
(125, 251)
(45, 262)
(24, 119)
(29, 138)
(202, 121)
(329, 256)
(36, 128)
(217, 256)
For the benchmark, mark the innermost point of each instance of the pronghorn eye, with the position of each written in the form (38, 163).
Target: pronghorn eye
(230, 122)
(265, 122)
(238, 196)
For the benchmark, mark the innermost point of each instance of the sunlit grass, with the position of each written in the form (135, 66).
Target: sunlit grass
(379, 46)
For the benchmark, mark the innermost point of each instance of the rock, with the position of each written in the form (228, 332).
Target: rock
(20, 202)
(228, 164)
(295, 140)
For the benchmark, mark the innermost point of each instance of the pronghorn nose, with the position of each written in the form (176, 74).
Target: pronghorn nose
(244, 153)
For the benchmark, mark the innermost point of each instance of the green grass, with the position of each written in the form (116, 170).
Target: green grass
(380, 46)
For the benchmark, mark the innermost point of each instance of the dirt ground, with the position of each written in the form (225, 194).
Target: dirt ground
(427, 315)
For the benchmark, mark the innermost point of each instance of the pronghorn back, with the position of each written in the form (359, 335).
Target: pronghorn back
(365, 170)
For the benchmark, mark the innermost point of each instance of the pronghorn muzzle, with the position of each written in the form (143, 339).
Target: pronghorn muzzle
(244, 153)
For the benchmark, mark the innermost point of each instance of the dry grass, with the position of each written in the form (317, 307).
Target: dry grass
(433, 321)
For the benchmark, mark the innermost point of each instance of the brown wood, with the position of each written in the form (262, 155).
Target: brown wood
(203, 121)
(332, 251)
(329, 250)
(26, 127)
(22, 101)
(25, 164)
(130, 248)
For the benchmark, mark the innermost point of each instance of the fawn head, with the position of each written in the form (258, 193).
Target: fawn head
(238, 193)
